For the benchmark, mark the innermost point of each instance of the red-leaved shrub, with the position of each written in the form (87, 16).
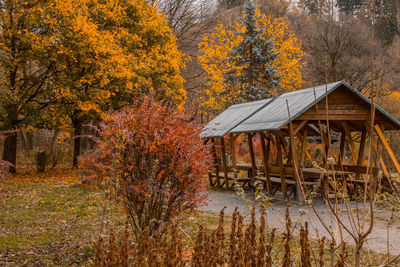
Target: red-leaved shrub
(154, 157)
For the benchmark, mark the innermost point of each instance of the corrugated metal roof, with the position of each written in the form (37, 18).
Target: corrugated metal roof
(272, 114)
(231, 117)
(275, 115)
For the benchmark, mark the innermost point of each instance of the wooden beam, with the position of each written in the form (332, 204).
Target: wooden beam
(375, 146)
(362, 147)
(235, 136)
(342, 147)
(333, 112)
(271, 138)
(224, 162)
(304, 149)
(233, 154)
(216, 165)
(350, 141)
(379, 143)
(281, 167)
(299, 188)
(328, 145)
(323, 117)
(252, 158)
(387, 147)
(286, 146)
(299, 127)
(265, 152)
(301, 137)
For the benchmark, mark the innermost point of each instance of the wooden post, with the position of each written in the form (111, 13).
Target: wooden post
(299, 188)
(214, 153)
(375, 146)
(342, 146)
(233, 155)
(252, 158)
(280, 163)
(225, 164)
(379, 143)
(303, 148)
(351, 143)
(387, 147)
(361, 148)
(286, 147)
(329, 146)
(265, 152)
(301, 137)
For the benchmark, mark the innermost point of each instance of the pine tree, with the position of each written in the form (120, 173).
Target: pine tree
(350, 7)
(315, 7)
(254, 56)
(231, 3)
(387, 24)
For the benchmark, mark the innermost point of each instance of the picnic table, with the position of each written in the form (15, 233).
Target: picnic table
(326, 180)
(323, 177)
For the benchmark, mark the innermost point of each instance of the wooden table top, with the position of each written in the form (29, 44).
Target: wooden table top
(306, 171)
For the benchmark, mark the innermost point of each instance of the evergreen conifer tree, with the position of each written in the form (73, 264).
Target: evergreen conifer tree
(254, 55)
(228, 4)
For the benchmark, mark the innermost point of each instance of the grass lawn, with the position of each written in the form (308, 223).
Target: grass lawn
(49, 219)
(52, 219)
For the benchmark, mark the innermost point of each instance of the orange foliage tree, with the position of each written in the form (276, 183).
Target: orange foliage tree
(216, 60)
(155, 157)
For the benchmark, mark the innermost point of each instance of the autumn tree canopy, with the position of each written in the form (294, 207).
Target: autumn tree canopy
(27, 66)
(216, 60)
(75, 60)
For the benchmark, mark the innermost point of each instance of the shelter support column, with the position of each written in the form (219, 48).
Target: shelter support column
(265, 152)
(351, 143)
(280, 163)
(375, 147)
(341, 148)
(361, 148)
(304, 148)
(297, 171)
(232, 139)
(216, 166)
(252, 158)
(224, 162)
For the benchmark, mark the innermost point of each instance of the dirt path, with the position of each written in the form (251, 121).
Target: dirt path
(300, 213)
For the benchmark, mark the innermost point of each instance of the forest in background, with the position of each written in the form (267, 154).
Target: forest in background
(63, 88)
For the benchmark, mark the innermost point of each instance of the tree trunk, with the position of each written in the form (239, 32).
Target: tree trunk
(29, 143)
(10, 150)
(53, 140)
(84, 140)
(77, 143)
(27, 140)
(357, 257)
(93, 135)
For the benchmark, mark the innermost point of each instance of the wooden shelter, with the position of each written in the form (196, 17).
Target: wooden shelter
(287, 123)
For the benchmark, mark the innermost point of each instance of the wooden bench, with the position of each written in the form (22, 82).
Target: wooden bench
(358, 169)
(243, 180)
(358, 182)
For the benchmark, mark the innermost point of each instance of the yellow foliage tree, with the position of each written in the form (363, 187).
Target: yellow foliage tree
(74, 60)
(216, 61)
(121, 50)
